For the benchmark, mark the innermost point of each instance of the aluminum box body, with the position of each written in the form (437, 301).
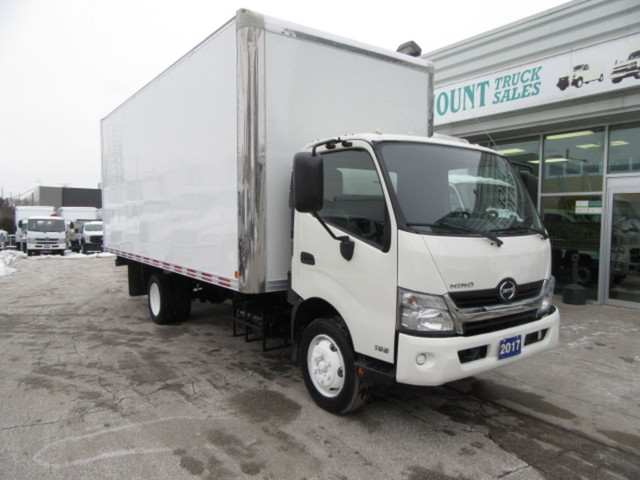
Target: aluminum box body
(196, 166)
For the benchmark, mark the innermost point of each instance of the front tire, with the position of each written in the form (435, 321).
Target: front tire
(328, 368)
(161, 299)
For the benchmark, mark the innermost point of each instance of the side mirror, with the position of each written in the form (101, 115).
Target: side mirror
(531, 184)
(20, 223)
(308, 182)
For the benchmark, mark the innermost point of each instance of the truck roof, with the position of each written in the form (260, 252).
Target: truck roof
(44, 217)
(436, 139)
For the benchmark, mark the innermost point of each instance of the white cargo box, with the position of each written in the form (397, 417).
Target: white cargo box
(71, 214)
(196, 166)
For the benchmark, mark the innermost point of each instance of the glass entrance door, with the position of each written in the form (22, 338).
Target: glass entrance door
(623, 225)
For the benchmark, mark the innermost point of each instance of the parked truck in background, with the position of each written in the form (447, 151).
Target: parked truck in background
(76, 217)
(22, 214)
(395, 257)
(44, 235)
(91, 237)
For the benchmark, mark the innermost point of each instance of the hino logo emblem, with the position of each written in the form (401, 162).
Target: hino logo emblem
(461, 285)
(507, 290)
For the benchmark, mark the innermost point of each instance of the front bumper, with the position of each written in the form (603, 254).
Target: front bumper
(430, 361)
(46, 247)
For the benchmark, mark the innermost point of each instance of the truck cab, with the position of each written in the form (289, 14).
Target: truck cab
(428, 253)
(92, 237)
(44, 235)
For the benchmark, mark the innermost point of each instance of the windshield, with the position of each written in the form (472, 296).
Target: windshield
(447, 190)
(93, 227)
(46, 225)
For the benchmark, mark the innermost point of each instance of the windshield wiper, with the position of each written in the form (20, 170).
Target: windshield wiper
(523, 228)
(460, 228)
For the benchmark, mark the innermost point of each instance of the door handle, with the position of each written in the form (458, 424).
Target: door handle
(307, 258)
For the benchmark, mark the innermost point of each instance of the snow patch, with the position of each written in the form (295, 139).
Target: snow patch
(11, 257)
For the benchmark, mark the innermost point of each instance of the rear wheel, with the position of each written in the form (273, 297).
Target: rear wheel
(328, 367)
(161, 299)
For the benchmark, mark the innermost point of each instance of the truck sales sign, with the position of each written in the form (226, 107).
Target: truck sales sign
(593, 70)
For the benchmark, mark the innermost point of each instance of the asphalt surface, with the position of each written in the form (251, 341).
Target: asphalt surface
(90, 388)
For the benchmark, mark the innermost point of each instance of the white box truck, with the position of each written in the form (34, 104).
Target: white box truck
(396, 256)
(76, 217)
(40, 230)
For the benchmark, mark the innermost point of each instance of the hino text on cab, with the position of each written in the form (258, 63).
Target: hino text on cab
(393, 255)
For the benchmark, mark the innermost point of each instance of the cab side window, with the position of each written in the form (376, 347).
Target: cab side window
(353, 196)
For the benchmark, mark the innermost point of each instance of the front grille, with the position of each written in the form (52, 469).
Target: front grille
(496, 324)
(488, 298)
(629, 67)
(95, 239)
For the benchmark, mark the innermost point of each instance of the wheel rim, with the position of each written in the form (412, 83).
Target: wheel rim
(154, 299)
(326, 366)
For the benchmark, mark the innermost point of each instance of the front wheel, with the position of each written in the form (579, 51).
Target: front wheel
(328, 367)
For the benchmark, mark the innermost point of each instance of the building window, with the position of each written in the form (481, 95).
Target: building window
(573, 161)
(624, 148)
(523, 153)
(573, 223)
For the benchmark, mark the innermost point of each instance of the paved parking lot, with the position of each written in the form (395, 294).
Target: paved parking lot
(90, 388)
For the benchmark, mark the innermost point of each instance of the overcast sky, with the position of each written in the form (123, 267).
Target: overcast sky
(65, 64)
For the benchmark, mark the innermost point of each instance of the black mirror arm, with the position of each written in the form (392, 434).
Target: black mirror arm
(346, 244)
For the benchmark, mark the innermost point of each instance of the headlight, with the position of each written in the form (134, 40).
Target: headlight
(547, 295)
(423, 313)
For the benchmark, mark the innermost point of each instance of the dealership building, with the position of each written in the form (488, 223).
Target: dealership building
(558, 93)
